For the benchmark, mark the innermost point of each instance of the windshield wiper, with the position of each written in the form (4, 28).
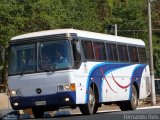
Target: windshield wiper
(26, 69)
(23, 70)
(52, 69)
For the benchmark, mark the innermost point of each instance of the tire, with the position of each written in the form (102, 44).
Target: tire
(92, 106)
(38, 113)
(123, 106)
(131, 104)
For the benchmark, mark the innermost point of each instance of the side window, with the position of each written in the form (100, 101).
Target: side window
(100, 52)
(123, 53)
(88, 49)
(76, 50)
(112, 52)
(76, 53)
(133, 54)
(142, 55)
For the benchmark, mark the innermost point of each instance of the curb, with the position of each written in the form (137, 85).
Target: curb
(13, 115)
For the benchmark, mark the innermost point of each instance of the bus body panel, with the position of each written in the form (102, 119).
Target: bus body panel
(114, 80)
(114, 83)
(118, 83)
(145, 85)
(80, 89)
(48, 84)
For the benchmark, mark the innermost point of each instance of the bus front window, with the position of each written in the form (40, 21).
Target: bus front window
(54, 55)
(22, 59)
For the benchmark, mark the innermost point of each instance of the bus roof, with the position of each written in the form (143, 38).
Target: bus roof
(81, 33)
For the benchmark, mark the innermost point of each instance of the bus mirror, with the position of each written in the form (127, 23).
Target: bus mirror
(53, 68)
(84, 60)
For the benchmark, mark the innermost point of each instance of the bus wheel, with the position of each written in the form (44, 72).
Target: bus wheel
(38, 113)
(123, 106)
(91, 107)
(131, 104)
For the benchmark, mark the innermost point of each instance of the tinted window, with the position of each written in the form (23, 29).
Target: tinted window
(142, 55)
(76, 52)
(123, 53)
(133, 54)
(112, 52)
(88, 49)
(22, 59)
(100, 52)
(44, 56)
(54, 55)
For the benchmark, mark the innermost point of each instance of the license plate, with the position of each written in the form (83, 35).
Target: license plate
(39, 103)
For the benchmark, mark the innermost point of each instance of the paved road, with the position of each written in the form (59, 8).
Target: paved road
(147, 113)
(104, 115)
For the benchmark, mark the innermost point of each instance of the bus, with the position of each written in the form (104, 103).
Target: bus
(69, 68)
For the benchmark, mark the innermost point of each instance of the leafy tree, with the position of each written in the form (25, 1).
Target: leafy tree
(156, 22)
(156, 56)
(23, 16)
(132, 20)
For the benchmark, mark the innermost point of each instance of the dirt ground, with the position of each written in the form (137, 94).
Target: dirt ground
(4, 101)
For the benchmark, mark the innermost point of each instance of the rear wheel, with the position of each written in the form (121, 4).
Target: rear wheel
(131, 104)
(38, 113)
(91, 107)
(134, 99)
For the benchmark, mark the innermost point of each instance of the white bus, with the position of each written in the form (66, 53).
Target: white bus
(72, 68)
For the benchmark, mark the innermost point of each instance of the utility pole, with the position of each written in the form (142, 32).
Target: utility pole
(153, 97)
(115, 29)
(112, 27)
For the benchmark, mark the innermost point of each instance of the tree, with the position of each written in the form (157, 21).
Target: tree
(132, 19)
(156, 56)
(23, 16)
(156, 22)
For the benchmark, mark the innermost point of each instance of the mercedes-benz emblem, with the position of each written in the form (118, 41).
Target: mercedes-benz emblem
(38, 90)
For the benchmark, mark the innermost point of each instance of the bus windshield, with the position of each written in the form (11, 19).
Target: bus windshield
(54, 55)
(39, 57)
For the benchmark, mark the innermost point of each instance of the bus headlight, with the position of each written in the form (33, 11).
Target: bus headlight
(67, 87)
(15, 92)
(60, 88)
(12, 92)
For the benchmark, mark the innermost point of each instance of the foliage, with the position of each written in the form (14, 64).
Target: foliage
(132, 18)
(23, 16)
(157, 62)
(156, 23)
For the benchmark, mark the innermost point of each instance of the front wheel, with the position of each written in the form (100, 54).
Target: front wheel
(38, 113)
(91, 107)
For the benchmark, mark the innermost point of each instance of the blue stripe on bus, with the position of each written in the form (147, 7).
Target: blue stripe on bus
(96, 73)
(136, 76)
(89, 78)
(132, 79)
(107, 68)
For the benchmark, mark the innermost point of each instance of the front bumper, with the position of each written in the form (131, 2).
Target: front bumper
(52, 100)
